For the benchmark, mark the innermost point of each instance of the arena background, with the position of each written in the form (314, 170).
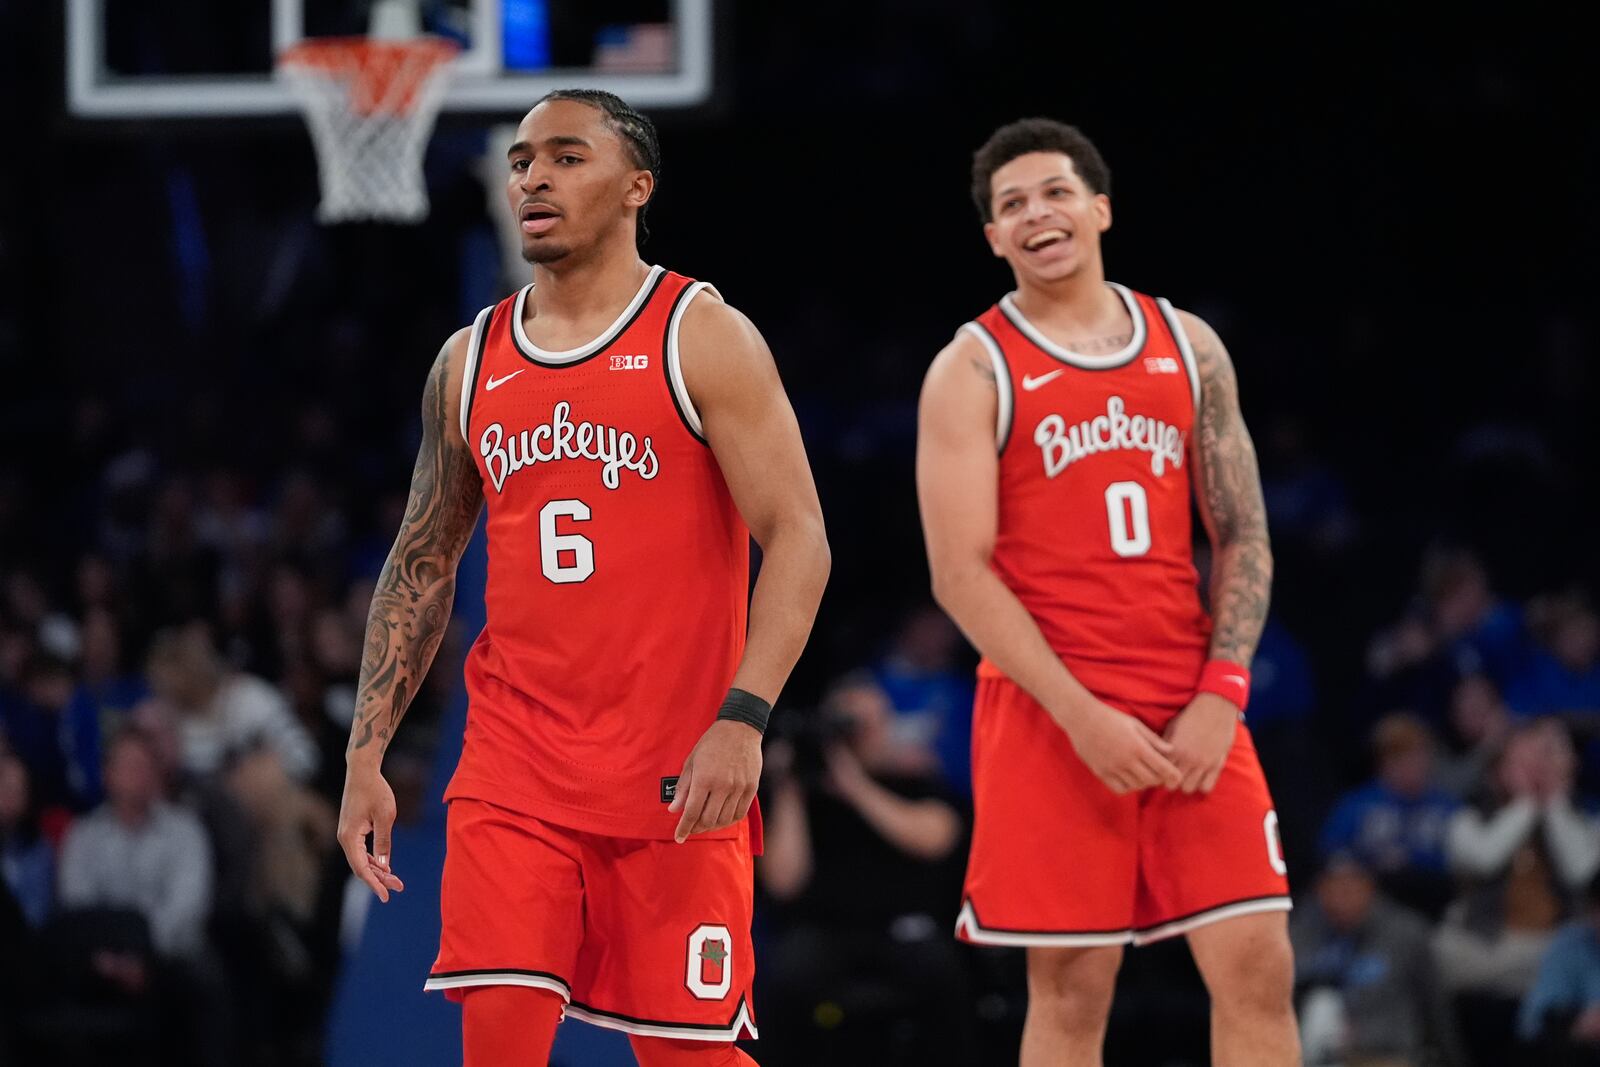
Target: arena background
(211, 414)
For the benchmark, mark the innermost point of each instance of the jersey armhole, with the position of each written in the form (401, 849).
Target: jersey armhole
(1184, 348)
(469, 373)
(672, 359)
(1002, 381)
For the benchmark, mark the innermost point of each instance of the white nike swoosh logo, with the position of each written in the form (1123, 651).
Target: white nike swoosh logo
(1233, 678)
(495, 383)
(1030, 383)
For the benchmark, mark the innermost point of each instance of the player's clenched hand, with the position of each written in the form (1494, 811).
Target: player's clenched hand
(1202, 736)
(719, 779)
(368, 807)
(1123, 752)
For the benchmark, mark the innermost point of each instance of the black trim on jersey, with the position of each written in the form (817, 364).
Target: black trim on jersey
(985, 929)
(1011, 386)
(666, 364)
(1192, 375)
(477, 368)
(739, 1009)
(502, 970)
(1136, 309)
(608, 339)
(1206, 911)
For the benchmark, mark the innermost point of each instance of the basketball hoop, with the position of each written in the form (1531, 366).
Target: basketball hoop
(370, 104)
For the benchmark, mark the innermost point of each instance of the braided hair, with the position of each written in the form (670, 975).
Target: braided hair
(636, 130)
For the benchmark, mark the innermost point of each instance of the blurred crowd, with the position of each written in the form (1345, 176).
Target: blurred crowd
(173, 713)
(174, 706)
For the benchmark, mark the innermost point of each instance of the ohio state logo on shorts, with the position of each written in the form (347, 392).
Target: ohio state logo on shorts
(710, 971)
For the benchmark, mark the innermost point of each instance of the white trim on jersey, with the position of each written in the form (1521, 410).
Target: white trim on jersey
(1175, 324)
(674, 359)
(1002, 381)
(469, 373)
(967, 928)
(481, 978)
(1205, 918)
(742, 1026)
(584, 351)
(1008, 305)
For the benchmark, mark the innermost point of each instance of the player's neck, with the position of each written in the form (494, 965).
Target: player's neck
(580, 285)
(1080, 299)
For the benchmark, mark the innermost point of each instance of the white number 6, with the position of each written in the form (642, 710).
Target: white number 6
(552, 544)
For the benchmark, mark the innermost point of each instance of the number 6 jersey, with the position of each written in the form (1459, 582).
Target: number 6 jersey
(1094, 521)
(618, 570)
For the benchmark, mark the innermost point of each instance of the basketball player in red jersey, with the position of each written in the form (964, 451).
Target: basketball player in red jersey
(1118, 797)
(628, 433)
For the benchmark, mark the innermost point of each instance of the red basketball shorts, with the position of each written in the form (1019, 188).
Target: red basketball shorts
(1059, 859)
(647, 937)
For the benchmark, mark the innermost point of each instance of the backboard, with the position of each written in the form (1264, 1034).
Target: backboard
(196, 59)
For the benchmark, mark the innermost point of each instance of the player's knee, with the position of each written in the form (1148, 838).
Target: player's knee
(1256, 980)
(1071, 988)
(508, 1026)
(670, 1052)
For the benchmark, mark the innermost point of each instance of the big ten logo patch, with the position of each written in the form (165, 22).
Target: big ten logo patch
(710, 971)
(1160, 365)
(630, 362)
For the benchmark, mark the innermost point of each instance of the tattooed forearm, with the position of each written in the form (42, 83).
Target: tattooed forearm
(1231, 503)
(411, 604)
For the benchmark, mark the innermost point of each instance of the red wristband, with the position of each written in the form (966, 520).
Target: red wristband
(1228, 680)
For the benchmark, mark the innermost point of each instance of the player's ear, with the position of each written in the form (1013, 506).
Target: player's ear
(990, 235)
(1102, 211)
(641, 186)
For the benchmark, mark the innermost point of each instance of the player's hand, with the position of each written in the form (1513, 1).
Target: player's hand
(1202, 737)
(368, 807)
(1123, 752)
(718, 780)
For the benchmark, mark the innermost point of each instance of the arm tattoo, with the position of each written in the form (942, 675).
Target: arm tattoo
(411, 604)
(1231, 502)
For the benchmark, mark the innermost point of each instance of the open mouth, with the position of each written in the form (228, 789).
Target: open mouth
(537, 218)
(1045, 239)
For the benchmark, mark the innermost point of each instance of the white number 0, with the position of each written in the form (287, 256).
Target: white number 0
(1128, 511)
(552, 544)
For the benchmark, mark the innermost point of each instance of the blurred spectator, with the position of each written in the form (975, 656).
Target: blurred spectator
(282, 935)
(1562, 675)
(931, 692)
(1524, 851)
(862, 857)
(1305, 497)
(293, 834)
(33, 718)
(139, 852)
(1364, 975)
(1479, 724)
(1457, 627)
(26, 864)
(223, 714)
(99, 704)
(1561, 1013)
(1395, 824)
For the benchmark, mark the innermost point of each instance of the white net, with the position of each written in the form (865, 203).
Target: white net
(370, 105)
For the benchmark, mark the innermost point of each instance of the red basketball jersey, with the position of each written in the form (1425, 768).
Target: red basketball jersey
(1094, 500)
(618, 570)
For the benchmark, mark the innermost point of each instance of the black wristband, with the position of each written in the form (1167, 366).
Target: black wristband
(747, 708)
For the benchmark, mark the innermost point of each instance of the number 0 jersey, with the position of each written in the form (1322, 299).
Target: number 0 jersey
(1094, 520)
(618, 570)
